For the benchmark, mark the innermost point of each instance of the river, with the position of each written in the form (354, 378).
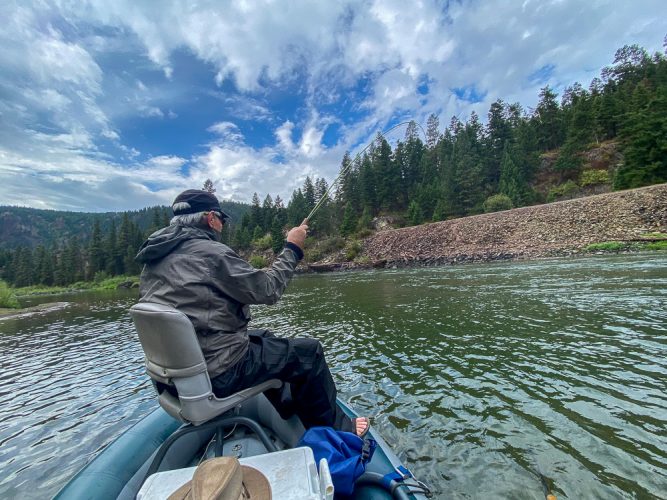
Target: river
(479, 376)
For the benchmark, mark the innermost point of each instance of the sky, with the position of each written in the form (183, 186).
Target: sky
(119, 105)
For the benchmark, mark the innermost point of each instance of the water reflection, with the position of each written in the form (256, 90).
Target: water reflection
(479, 376)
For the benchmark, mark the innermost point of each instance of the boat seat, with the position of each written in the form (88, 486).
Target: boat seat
(176, 366)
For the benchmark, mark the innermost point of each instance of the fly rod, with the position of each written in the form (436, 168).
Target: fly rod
(347, 168)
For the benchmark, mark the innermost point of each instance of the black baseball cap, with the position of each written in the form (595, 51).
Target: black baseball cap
(193, 201)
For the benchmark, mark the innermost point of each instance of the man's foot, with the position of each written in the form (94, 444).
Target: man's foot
(361, 426)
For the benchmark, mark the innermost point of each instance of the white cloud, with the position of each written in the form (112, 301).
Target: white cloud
(151, 111)
(310, 145)
(58, 103)
(227, 131)
(167, 162)
(284, 136)
(52, 59)
(244, 107)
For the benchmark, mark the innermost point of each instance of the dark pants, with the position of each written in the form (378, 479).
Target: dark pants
(300, 362)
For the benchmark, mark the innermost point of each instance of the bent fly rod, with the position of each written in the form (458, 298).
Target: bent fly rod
(347, 167)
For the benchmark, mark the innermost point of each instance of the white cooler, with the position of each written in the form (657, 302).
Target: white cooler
(291, 473)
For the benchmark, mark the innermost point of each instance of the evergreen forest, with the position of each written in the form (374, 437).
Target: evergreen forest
(517, 157)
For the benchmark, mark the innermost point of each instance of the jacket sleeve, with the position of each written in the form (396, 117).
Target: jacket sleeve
(247, 285)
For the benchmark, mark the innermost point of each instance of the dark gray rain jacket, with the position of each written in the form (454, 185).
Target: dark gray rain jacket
(186, 268)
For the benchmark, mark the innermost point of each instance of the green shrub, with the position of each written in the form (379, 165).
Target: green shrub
(592, 177)
(607, 246)
(565, 190)
(365, 220)
(415, 213)
(364, 233)
(258, 261)
(112, 283)
(100, 276)
(263, 243)
(332, 244)
(313, 254)
(352, 250)
(498, 202)
(656, 245)
(316, 250)
(7, 297)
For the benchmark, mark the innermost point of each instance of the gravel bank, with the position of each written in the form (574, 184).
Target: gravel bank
(561, 228)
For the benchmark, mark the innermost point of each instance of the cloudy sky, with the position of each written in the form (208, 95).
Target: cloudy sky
(112, 105)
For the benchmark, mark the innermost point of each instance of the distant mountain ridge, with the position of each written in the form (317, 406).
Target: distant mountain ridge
(31, 227)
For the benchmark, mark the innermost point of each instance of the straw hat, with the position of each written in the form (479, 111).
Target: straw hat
(224, 478)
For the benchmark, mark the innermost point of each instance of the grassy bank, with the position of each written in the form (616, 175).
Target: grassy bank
(656, 241)
(106, 284)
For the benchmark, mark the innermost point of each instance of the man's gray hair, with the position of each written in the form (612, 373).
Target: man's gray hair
(197, 220)
(181, 205)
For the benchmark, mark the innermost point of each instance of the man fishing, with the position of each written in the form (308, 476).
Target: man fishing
(186, 267)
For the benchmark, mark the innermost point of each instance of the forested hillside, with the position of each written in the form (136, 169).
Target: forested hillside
(609, 136)
(50, 247)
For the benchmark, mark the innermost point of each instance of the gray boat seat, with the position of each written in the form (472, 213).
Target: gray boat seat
(176, 365)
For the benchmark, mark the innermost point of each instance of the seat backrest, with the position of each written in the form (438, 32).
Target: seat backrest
(169, 341)
(176, 365)
(173, 357)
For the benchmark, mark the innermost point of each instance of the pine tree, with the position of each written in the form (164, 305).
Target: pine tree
(498, 132)
(267, 213)
(242, 238)
(59, 274)
(255, 212)
(415, 213)
(122, 244)
(23, 263)
(470, 192)
(440, 211)
(549, 120)
(156, 222)
(208, 186)
(324, 218)
(309, 193)
(349, 223)
(96, 257)
(386, 175)
(164, 222)
(644, 136)
(277, 236)
(365, 220)
(347, 192)
(110, 249)
(511, 182)
(227, 235)
(367, 185)
(296, 208)
(45, 266)
(432, 132)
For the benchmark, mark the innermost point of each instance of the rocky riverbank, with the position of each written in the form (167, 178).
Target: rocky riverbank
(554, 229)
(30, 311)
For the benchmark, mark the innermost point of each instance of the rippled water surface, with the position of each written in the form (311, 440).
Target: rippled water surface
(480, 377)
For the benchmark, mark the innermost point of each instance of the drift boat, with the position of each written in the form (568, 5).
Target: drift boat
(160, 453)
(120, 470)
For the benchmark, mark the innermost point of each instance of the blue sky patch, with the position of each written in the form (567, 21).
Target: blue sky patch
(542, 75)
(470, 94)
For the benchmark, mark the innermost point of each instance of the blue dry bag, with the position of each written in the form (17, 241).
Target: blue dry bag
(346, 453)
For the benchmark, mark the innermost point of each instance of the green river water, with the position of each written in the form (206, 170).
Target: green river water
(479, 376)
